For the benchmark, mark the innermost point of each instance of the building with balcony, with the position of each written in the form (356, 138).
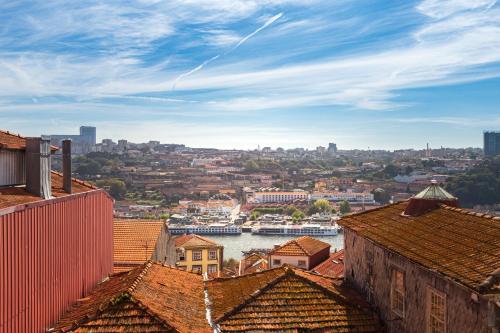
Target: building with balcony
(198, 254)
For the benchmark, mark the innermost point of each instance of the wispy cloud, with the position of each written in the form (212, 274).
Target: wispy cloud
(241, 42)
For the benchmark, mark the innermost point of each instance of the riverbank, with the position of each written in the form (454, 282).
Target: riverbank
(234, 244)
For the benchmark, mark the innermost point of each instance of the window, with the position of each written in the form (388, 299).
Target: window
(436, 310)
(196, 268)
(398, 293)
(212, 254)
(181, 256)
(302, 263)
(196, 255)
(276, 262)
(212, 269)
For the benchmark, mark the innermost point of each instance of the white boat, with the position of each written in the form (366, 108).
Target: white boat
(211, 229)
(295, 230)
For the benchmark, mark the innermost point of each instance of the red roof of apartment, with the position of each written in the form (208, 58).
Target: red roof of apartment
(193, 240)
(16, 195)
(134, 242)
(149, 298)
(156, 298)
(287, 299)
(254, 262)
(333, 266)
(462, 245)
(302, 246)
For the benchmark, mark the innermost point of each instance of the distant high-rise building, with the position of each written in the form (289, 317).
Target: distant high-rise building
(332, 148)
(88, 134)
(81, 144)
(491, 143)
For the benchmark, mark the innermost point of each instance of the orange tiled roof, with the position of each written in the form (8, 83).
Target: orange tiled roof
(150, 298)
(302, 246)
(134, 242)
(254, 262)
(12, 196)
(13, 141)
(193, 240)
(333, 266)
(462, 245)
(286, 299)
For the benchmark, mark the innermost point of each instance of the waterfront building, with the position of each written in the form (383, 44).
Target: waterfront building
(158, 298)
(198, 254)
(427, 265)
(350, 196)
(278, 196)
(56, 235)
(491, 143)
(137, 241)
(304, 252)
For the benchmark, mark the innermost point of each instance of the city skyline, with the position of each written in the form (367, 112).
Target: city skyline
(238, 74)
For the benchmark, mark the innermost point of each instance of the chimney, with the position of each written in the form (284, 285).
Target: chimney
(38, 173)
(66, 155)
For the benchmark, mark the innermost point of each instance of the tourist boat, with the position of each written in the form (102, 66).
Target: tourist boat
(210, 229)
(296, 230)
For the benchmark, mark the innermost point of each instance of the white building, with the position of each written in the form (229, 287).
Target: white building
(349, 196)
(280, 196)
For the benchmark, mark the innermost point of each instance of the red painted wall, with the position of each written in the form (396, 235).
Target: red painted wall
(52, 252)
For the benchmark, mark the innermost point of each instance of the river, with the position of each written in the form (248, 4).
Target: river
(234, 244)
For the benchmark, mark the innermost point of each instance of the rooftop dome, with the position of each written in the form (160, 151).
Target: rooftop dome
(428, 199)
(434, 192)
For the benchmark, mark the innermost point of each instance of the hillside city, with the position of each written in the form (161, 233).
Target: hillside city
(155, 237)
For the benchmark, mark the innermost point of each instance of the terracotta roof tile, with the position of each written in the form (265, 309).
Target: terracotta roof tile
(150, 298)
(302, 246)
(134, 242)
(333, 266)
(286, 299)
(14, 141)
(193, 240)
(12, 196)
(460, 244)
(254, 262)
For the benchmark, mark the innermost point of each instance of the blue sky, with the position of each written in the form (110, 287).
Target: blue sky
(241, 73)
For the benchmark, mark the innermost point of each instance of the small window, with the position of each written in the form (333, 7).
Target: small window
(302, 263)
(197, 268)
(212, 254)
(398, 293)
(181, 256)
(196, 255)
(212, 268)
(276, 262)
(436, 310)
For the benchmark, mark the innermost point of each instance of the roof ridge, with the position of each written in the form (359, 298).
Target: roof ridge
(375, 209)
(338, 297)
(286, 272)
(468, 212)
(246, 275)
(148, 264)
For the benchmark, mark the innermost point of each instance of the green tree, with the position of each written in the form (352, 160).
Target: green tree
(164, 216)
(298, 215)
(344, 207)
(323, 206)
(231, 264)
(381, 196)
(116, 187)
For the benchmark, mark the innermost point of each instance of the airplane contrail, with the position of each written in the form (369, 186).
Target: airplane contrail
(242, 41)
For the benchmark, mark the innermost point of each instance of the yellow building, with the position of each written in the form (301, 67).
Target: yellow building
(198, 254)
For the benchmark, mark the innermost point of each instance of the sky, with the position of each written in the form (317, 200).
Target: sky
(242, 73)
